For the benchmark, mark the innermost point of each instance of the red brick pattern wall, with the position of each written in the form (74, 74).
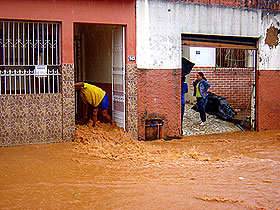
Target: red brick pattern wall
(159, 97)
(262, 4)
(268, 100)
(233, 84)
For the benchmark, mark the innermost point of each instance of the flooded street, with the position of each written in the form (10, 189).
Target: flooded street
(106, 169)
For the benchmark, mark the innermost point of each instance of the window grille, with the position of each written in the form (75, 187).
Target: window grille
(24, 47)
(233, 58)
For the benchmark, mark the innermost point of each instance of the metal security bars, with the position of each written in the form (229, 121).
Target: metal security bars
(234, 58)
(29, 57)
(29, 43)
(28, 81)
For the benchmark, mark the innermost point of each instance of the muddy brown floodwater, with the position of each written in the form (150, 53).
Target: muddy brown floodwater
(105, 169)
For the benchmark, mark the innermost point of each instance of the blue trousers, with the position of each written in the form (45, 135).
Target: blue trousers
(201, 104)
(182, 113)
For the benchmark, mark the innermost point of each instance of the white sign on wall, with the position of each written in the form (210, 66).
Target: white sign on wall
(203, 56)
(41, 70)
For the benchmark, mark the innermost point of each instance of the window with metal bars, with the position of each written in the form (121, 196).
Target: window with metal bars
(233, 58)
(29, 57)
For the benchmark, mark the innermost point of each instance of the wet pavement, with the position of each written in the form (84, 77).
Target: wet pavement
(105, 169)
(213, 124)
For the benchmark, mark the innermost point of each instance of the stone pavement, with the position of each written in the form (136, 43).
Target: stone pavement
(213, 124)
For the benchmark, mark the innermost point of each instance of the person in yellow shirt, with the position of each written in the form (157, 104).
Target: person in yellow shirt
(96, 97)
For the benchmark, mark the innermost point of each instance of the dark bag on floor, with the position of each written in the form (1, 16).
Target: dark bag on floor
(218, 105)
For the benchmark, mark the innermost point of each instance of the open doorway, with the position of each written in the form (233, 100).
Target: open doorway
(229, 64)
(99, 60)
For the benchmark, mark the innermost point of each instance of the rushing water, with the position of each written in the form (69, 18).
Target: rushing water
(105, 169)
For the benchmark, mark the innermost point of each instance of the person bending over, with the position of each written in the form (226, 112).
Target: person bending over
(96, 97)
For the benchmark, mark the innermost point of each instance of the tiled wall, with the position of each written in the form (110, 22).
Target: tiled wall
(29, 119)
(39, 118)
(131, 101)
(68, 102)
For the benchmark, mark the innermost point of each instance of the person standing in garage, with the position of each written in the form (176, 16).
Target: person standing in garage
(200, 92)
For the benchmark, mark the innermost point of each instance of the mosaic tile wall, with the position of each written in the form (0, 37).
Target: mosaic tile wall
(39, 118)
(131, 101)
(30, 119)
(68, 102)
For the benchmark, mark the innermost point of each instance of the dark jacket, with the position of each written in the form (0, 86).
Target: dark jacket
(203, 86)
(184, 90)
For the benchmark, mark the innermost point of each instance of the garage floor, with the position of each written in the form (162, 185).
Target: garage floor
(214, 125)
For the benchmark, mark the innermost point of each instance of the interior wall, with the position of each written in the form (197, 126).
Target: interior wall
(97, 52)
(233, 84)
(94, 64)
(203, 56)
(189, 95)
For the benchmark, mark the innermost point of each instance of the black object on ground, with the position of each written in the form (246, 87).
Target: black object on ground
(218, 106)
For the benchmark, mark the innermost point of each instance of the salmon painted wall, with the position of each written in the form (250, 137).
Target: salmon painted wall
(159, 97)
(268, 100)
(67, 12)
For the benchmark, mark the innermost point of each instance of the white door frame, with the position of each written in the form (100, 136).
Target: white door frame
(118, 75)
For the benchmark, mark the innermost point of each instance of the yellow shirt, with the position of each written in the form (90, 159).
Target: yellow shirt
(92, 94)
(197, 93)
